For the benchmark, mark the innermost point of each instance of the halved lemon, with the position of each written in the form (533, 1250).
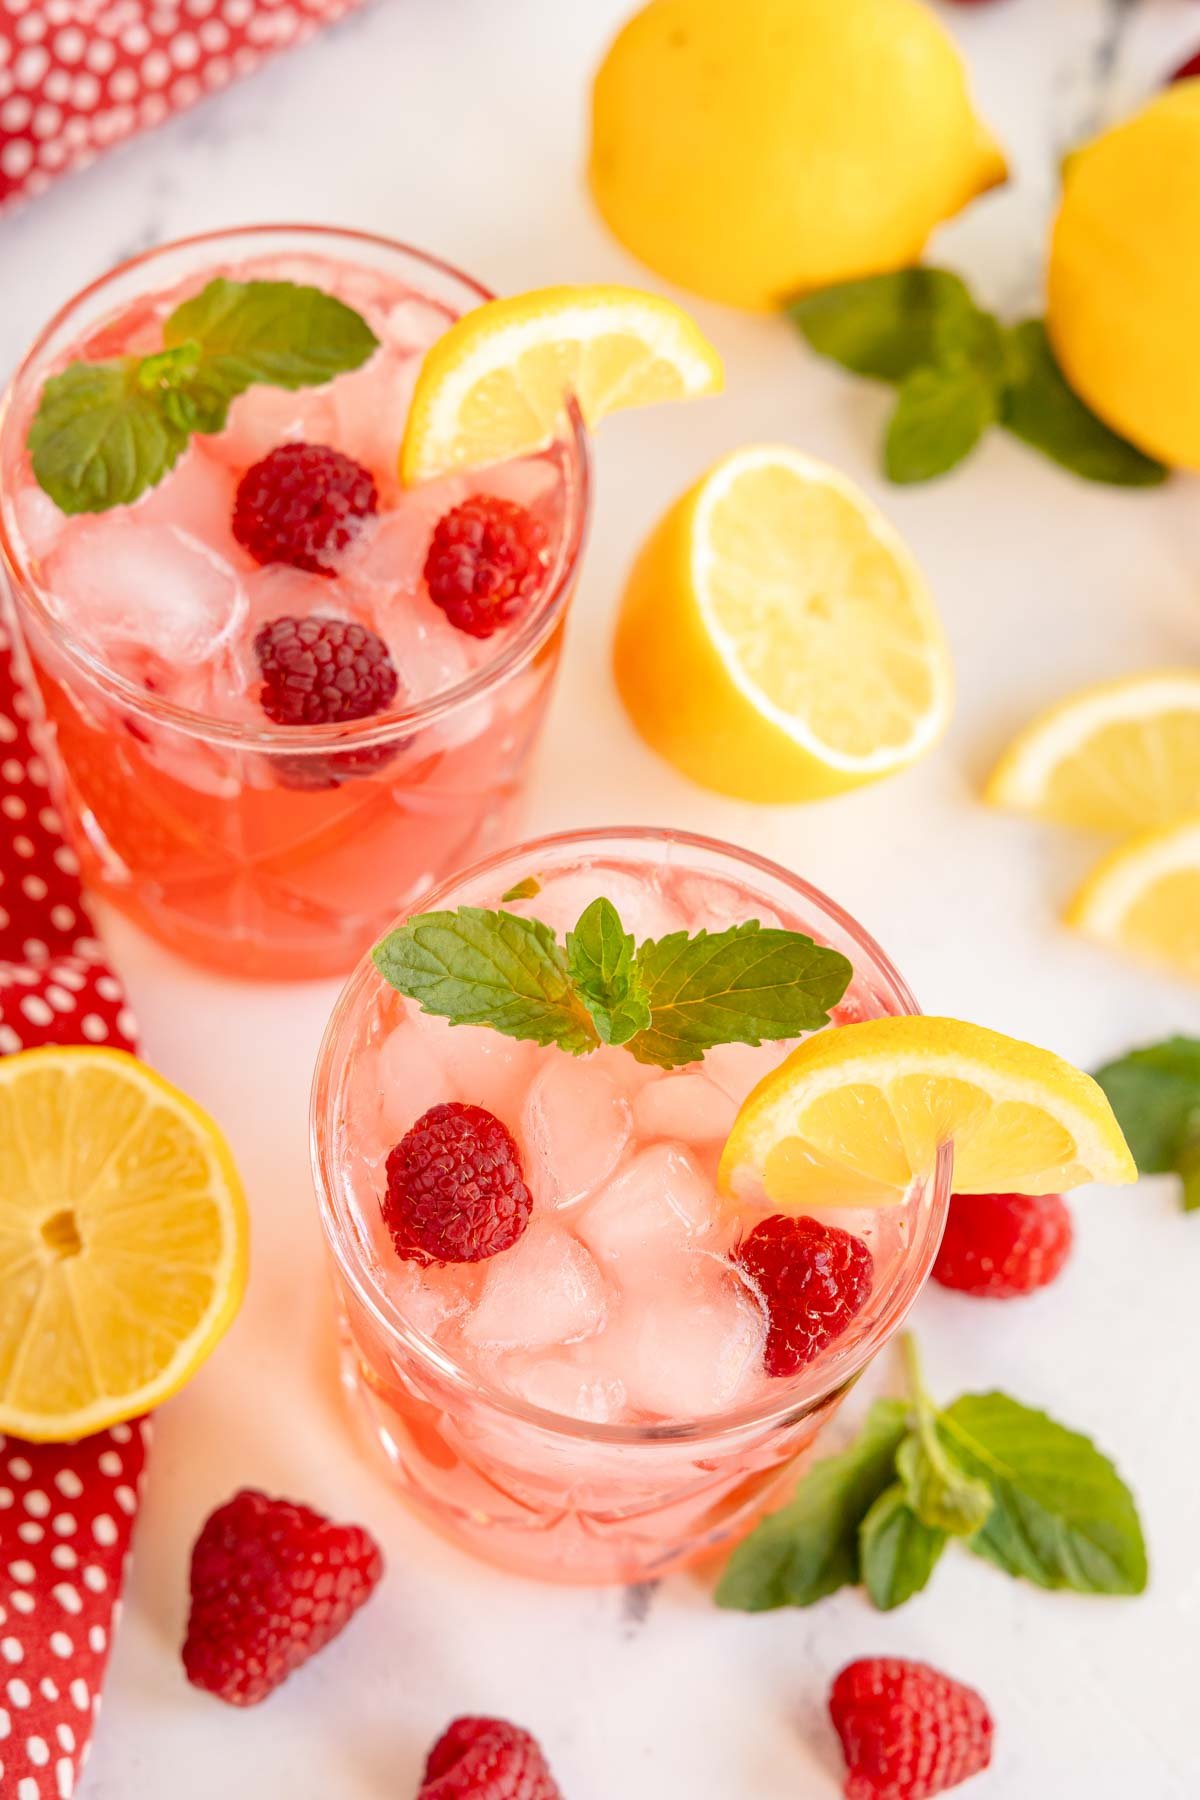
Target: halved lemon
(1123, 756)
(123, 1240)
(858, 1112)
(1145, 898)
(776, 640)
(497, 383)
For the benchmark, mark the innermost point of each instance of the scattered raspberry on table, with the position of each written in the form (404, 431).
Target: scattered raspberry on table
(908, 1731)
(1000, 1246)
(487, 1759)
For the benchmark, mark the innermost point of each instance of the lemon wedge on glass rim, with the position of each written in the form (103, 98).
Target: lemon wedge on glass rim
(497, 383)
(123, 1240)
(858, 1112)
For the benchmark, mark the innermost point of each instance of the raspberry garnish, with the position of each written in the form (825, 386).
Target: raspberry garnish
(999, 1246)
(301, 505)
(272, 1583)
(813, 1278)
(323, 671)
(485, 563)
(907, 1730)
(455, 1187)
(487, 1759)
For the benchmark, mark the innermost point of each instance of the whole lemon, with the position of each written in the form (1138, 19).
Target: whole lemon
(1124, 288)
(752, 149)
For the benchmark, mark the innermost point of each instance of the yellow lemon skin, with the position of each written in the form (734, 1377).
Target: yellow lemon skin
(1124, 277)
(750, 150)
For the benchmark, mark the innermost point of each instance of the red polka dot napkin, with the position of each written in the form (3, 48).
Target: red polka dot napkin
(78, 75)
(66, 1510)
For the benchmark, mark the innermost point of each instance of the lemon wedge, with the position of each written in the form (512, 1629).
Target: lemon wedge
(497, 383)
(1123, 756)
(858, 1112)
(1145, 898)
(776, 640)
(123, 1240)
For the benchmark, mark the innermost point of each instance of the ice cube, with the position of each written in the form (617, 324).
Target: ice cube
(526, 480)
(39, 520)
(124, 585)
(659, 1202)
(690, 1346)
(687, 1106)
(562, 1384)
(714, 905)
(414, 324)
(368, 408)
(736, 1068)
(411, 1078)
(485, 1067)
(545, 1290)
(426, 1299)
(264, 417)
(576, 1125)
(198, 497)
(645, 911)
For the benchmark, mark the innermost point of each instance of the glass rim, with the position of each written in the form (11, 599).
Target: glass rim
(364, 733)
(799, 1400)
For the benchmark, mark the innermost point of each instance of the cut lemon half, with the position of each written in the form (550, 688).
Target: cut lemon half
(1145, 898)
(1123, 756)
(123, 1240)
(859, 1112)
(497, 383)
(776, 640)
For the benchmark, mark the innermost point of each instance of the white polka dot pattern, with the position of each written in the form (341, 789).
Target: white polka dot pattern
(74, 80)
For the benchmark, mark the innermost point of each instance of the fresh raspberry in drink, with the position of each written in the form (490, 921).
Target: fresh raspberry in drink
(486, 561)
(908, 1732)
(456, 1190)
(301, 505)
(323, 671)
(271, 1584)
(999, 1246)
(487, 1759)
(813, 1279)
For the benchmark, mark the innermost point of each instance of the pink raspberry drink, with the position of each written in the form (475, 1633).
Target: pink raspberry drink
(581, 1360)
(289, 692)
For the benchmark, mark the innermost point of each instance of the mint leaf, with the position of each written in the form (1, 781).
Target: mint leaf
(942, 1494)
(940, 416)
(600, 960)
(105, 432)
(810, 1547)
(739, 986)
(475, 967)
(897, 1553)
(886, 326)
(100, 438)
(524, 890)
(1155, 1093)
(277, 332)
(1061, 1515)
(1042, 410)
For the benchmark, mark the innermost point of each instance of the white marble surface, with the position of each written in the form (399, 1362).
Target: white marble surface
(458, 124)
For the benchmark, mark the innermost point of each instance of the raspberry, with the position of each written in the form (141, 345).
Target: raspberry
(487, 1759)
(322, 671)
(486, 561)
(999, 1246)
(907, 1730)
(455, 1187)
(1187, 71)
(301, 505)
(272, 1583)
(813, 1278)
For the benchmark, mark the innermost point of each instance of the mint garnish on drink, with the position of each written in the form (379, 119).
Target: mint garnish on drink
(1155, 1094)
(667, 1000)
(105, 432)
(959, 371)
(1016, 1488)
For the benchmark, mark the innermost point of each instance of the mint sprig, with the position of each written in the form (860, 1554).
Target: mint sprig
(1155, 1093)
(1016, 1488)
(667, 1000)
(106, 432)
(959, 371)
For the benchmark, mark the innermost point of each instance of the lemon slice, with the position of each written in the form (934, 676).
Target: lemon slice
(1145, 898)
(497, 383)
(776, 640)
(1120, 757)
(858, 1112)
(123, 1240)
